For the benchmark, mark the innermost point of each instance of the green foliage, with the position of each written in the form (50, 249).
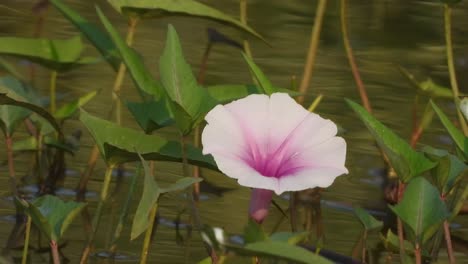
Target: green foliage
(253, 232)
(407, 162)
(225, 93)
(181, 85)
(456, 134)
(448, 171)
(10, 115)
(57, 54)
(97, 37)
(367, 220)
(68, 110)
(151, 115)
(142, 78)
(150, 196)
(290, 238)
(263, 81)
(160, 8)
(118, 144)
(279, 250)
(51, 215)
(427, 87)
(421, 209)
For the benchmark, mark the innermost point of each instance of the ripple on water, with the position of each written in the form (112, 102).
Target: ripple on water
(118, 256)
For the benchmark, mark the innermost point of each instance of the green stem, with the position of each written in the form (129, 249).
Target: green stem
(148, 235)
(194, 210)
(351, 59)
(243, 20)
(26, 241)
(11, 165)
(448, 241)
(451, 65)
(312, 52)
(124, 214)
(98, 213)
(55, 253)
(53, 88)
(121, 72)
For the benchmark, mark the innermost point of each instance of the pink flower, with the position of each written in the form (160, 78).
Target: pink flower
(273, 143)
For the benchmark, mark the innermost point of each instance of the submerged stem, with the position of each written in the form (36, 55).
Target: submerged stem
(451, 65)
(148, 235)
(312, 52)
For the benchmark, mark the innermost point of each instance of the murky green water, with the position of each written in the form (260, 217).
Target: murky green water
(383, 34)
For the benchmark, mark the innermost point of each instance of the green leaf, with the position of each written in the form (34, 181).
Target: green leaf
(392, 243)
(367, 220)
(56, 54)
(6, 100)
(51, 215)
(456, 134)
(225, 93)
(134, 62)
(458, 200)
(181, 85)
(180, 184)
(150, 115)
(97, 37)
(279, 250)
(421, 208)
(448, 170)
(254, 232)
(261, 78)
(149, 199)
(160, 8)
(118, 144)
(428, 87)
(11, 116)
(290, 238)
(67, 110)
(464, 107)
(407, 162)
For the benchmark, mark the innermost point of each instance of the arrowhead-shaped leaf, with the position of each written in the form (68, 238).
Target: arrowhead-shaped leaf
(159, 8)
(407, 162)
(68, 110)
(118, 144)
(421, 208)
(52, 215)
(181, 85)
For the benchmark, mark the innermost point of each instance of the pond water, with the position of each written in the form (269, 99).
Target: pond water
(384, 34)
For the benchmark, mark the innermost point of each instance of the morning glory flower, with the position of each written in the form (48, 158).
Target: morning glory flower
(272, 144)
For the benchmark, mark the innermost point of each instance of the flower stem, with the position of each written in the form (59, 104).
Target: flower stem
(55, 253)
(312, 52)
(196, 169)
(80, 194)
(451, 65)
(148, 235)
(53, 88)
(26, 241)
(364, 247)
(351, 59)
(11, 165)
(448, 240)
